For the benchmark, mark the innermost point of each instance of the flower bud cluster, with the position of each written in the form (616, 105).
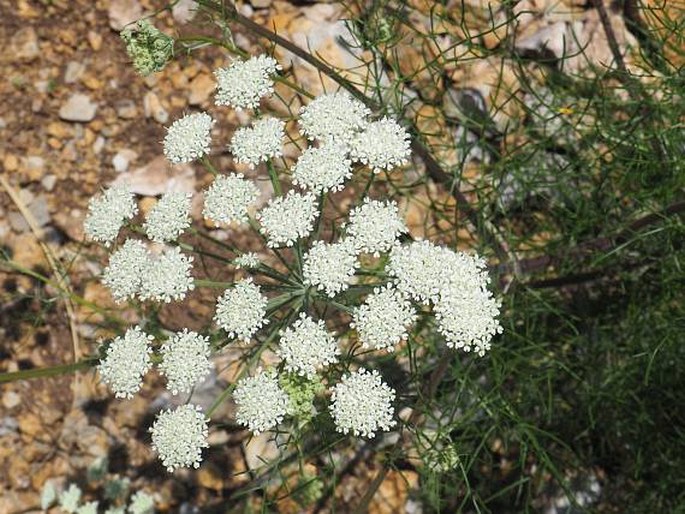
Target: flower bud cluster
(149, 48)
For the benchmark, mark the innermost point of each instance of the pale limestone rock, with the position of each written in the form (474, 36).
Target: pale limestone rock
(74, 71)
(123, 159)
(24, 45)
(123, 12)
(157, 177)
(184, 11)
(201, 87)
(154, 109)
(78, 107)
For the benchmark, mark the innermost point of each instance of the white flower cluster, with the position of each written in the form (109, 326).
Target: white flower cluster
(134, 270)
(185, 360)
(258, 143)
(287, 218)
(124, 273)
(167, 276)
(244, 83)
(188, 138)
(248, 260)
(361, 403)
(375, 226)
(261, 403)
(169, 217)
(333, 117)
(141, 503)
(228, 199)
(306, 346)
(451, 285)
(339, 118)
(126, 362)
(420, 270)
(383, 319)
(383, 145)
(323, 169)
(468, 318)
(179, 435)
(457, 285)
(241, 310)
(330, 266)
(108, 212)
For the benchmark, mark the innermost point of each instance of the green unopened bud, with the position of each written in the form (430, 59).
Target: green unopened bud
(301, 392)
(149, 48)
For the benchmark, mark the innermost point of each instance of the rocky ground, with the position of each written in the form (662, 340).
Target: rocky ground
(74, 116)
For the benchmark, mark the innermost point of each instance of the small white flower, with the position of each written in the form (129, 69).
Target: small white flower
(179, 435)
(141, 503)
(323, 169)
(228, 198)
(169, 217)
(241, 310)
(185, 360)
(69, 499)
(188, 138)
(244, 83)
(260, 142)
(467, 318)
(248, 260)
(383, 319)
(107, 213)
(287, 218)
(330, 266)
(261, 403)
(306, 346)
(375, 226)
(88, 508)
(126, 362)
(383, 145)
(361, 403)
(48, 495)
(420, 268)
(168, 277)
(333, 117)
(123, 275)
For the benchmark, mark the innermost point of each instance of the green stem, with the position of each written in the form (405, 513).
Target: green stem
(281, 300)
(72, 296)
(272, 273)
(62, 369)
(214, 240)
(255, 227)
(207, 40)
(191, 248)
(207, 164)
(293, 86)
(340, 306)
(273, 176)
(211, 283)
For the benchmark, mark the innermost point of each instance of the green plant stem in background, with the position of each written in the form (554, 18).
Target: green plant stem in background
(53, 371)
(273, 176)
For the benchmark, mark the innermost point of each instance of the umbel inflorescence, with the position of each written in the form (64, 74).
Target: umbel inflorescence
(314, 274)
